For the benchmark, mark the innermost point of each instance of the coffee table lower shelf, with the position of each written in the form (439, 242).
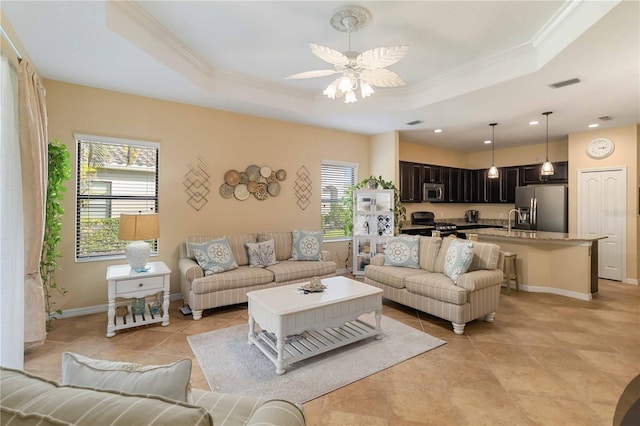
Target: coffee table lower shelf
(313, 342)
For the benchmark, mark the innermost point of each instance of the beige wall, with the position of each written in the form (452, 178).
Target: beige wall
(224, 140)
(384, 156)
(626, 153)
(528, 154)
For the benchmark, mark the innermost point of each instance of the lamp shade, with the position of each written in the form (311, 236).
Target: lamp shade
(139, 227)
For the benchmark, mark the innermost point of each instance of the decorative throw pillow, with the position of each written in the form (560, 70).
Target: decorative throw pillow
(214, 256)
(171, 381)
(402, 251)
(262, 254)
(458, 259)
(307, 245)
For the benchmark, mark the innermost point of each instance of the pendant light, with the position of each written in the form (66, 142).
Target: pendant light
(547, 167)
(493, 170)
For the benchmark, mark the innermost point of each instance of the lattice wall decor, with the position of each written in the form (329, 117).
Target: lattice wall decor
(196, 182)
(303, 187)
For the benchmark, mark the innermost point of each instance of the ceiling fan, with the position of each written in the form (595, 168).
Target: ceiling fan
(359, 70)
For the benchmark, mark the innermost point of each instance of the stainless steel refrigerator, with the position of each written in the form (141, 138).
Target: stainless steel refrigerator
(542, 208)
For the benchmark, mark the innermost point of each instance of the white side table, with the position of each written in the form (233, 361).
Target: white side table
(127, 283)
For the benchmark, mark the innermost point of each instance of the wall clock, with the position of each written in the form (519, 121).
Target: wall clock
(600, 148)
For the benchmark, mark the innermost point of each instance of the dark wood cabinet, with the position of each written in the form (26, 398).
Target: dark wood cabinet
(452, 184)
(509, 180)
(469, 186)
(561, 175)
(431, 173)
(410, 182)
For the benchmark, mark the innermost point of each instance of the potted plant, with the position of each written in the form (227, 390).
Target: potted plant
(59, 170)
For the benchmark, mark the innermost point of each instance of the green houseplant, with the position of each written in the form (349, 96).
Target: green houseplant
(59, 170)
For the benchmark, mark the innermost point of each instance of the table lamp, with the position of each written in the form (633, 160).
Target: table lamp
(137, 228)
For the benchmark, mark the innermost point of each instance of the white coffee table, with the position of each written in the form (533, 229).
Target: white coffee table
(298, 326)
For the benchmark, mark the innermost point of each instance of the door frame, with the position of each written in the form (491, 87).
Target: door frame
(623, 169)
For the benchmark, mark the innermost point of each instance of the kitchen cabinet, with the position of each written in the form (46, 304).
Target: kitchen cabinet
(373, 224)
(452, 184)
(510, 180)
(431, 173)
(469, 186)
(531, 174)
(410, 182)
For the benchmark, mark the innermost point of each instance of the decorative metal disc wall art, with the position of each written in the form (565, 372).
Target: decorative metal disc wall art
(196, 182)
(303, 187)
(261, 182)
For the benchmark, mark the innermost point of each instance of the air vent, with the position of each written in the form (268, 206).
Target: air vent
(414, 122)
(564, 83)
(605, 118)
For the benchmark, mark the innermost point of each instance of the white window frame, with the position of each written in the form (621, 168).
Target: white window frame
(340, 195)
(79, 138)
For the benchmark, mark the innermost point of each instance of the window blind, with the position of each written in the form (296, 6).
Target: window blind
(336, 179)
(113, 177)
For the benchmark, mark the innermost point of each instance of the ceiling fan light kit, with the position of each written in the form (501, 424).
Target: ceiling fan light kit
(359, 70)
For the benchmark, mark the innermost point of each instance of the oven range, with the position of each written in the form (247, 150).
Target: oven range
(424, 223)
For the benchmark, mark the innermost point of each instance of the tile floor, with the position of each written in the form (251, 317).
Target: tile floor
(546, 360)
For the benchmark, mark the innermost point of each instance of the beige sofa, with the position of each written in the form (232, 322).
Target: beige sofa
(475, 295)
(26, 399)
(202, 291)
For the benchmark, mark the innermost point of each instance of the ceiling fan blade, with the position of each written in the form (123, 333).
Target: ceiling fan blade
(381, 57)
(311, 74)
(329, 55)
(382, 78)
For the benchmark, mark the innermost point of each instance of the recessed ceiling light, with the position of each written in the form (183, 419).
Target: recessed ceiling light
(437, 131)
(487, 142)
(592, 125)
(533, 123)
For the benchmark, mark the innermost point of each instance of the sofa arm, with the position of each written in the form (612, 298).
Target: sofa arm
(325, 255)
(277, 412)
(377, 260)
(190, 269)
(479, 279)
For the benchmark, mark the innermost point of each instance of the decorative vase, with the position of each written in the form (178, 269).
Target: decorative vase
(137, 305)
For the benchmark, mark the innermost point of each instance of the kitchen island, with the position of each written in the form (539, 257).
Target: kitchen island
(550, 262)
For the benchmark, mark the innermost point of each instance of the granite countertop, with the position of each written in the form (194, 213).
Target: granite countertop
(532, 235)
(406, 225)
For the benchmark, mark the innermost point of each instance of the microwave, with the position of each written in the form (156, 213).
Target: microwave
(432, 192)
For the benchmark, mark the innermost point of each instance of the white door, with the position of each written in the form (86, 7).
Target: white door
(602, 211)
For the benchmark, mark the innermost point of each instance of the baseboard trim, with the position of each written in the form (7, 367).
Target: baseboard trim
(551, 290)
(96, 309)
(631, 281)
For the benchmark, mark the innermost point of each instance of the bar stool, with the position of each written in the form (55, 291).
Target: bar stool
(510, 271)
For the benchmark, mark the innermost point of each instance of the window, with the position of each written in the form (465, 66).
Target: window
(336, 179)
(114, 176)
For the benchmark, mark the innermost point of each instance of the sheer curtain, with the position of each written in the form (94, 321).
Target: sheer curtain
(11, 227)
(33, 148)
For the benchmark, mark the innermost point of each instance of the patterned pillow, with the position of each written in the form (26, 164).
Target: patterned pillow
(262, 254)
(458, 259)
(402, 251)
(307, 245)
(214, 256)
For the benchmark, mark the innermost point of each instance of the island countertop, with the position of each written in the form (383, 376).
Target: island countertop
(532, 235)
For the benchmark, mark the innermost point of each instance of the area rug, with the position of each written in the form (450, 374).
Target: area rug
(231, 365)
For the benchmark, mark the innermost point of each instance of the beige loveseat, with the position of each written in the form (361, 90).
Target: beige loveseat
(202, 291)
(26, 399)
(475, 295)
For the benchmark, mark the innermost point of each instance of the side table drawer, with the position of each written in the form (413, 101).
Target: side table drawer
(138, 284)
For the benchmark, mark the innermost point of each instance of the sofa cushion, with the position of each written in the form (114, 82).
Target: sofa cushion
(444, 246)
(237, 243)
(171, 381)
(244, 276)
(27, 396)
(458, 259)
(485, 256)
(402, 251)
(429, 247)
(237, 409)
(390, 275)
(214, 256)
(262, 254)
(306, 245)
(289, 270)
(436, 286)
(282, 240)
